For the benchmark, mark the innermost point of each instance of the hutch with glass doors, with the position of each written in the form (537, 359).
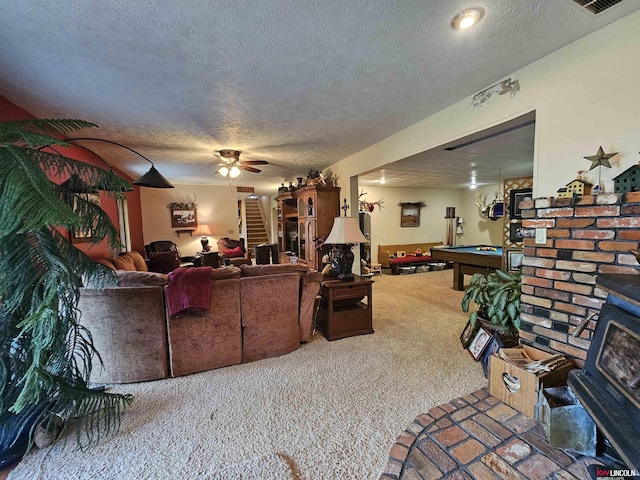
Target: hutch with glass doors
(305, 218)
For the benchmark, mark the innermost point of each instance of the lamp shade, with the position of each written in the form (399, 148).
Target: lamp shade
(345, 230)
(203, 229)
(234, 172)
(154, 179)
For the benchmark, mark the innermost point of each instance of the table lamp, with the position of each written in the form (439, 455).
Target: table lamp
(204, 230)
(344, 234)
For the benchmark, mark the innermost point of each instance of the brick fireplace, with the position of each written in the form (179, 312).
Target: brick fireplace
(586, 236)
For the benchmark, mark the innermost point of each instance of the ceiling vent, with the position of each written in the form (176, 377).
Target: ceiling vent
(596, 6)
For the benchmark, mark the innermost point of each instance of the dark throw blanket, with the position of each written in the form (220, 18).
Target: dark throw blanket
(189, 289)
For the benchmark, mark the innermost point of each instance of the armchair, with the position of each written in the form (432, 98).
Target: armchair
(234, 251)
(164, 256)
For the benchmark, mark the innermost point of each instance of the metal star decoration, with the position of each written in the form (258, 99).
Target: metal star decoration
(601, 159)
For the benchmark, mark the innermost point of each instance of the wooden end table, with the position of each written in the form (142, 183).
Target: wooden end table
(345, 308)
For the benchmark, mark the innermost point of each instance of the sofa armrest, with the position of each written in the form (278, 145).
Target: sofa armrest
(309, 290)
(129, 329)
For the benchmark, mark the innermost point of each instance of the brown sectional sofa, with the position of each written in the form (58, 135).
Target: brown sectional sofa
(256, 311)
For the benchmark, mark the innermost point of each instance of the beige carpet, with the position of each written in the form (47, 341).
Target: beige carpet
(328, 410)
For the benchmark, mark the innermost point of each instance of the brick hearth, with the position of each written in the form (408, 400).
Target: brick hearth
(479, 437)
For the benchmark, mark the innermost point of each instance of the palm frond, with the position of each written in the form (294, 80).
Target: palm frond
(36, 132)
(46, 355)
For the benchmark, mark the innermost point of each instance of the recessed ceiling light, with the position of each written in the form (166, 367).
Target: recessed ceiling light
(467, 18)
(383, 180)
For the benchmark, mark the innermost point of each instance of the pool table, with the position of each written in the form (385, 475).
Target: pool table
(469, 260)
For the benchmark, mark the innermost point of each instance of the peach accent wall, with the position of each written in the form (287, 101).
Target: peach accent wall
(9, 111)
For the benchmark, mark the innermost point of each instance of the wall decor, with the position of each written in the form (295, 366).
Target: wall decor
(514, 260)
(82, 236)
(515, 197)
(410, 213)
(512, 87)
(516, 232)
(183, 215)
(600, 159)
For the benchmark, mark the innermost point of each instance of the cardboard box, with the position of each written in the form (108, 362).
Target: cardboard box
(524, 397)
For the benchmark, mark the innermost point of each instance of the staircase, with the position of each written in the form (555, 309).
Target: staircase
(256, 234)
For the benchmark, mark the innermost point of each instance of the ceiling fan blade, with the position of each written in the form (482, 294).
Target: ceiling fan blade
(255, 162)
(249, 169)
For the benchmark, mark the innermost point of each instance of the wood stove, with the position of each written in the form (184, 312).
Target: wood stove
(609, 384)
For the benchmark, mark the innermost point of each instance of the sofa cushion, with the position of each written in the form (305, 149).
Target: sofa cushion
(128, 278)
(107, 263)
(138, 261)
(225, 273)
(124, 262)
(277, 269)
(234, 252)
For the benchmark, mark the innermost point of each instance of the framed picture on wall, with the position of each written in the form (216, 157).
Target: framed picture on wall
(410, 216)
(82, 236)
(514, 260)
(183, 217)
(516, 232)
(515, 197)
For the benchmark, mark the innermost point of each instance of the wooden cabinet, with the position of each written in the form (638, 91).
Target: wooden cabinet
(305, 218)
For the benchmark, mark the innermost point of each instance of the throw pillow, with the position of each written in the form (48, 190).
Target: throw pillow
(138, 261)
(107, 263)
(234, 252)
(141, 279)
(124, 262)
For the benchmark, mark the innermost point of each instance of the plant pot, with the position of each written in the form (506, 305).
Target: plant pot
(509, 337)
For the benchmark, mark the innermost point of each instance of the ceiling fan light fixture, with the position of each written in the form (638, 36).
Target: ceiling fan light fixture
(234, 172)
(224, 171)
(467, 18)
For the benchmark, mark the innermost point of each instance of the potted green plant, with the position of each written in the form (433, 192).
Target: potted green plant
(46, 355)
(496, 298)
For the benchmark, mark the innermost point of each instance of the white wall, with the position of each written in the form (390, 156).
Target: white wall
(585, 95)
(217, 207)
(385, 223)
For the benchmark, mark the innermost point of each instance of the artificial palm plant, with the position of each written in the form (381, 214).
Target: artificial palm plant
(46, 356)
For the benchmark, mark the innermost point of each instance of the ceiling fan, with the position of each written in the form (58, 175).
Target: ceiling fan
(231, 163)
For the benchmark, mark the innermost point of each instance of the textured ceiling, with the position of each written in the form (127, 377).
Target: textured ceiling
(299, 83)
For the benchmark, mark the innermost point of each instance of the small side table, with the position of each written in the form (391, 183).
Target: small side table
(376, 268)
(345, 308)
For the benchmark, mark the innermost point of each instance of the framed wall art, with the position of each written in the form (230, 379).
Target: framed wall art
(516, 232)
(515, 197)
(410, 213)
(83, 236)
(183, 215)
(514, 260)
